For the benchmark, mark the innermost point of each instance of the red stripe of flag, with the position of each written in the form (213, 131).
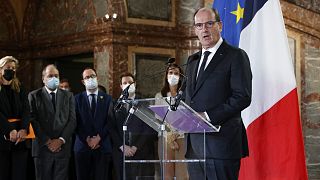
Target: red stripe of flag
(276, 144)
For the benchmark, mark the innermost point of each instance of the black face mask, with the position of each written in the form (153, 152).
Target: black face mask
(8, 74)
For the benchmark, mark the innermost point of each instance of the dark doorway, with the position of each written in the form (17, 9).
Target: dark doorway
(71, 67)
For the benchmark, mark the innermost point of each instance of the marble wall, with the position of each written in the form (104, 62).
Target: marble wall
(304, 27)
(311, 110)
(313, 5)
(56, 18)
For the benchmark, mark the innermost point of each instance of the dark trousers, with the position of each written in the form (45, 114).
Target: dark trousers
(139, 170)
(117, 163)
(51, 168)
(13, 164)
(144, 171)
(215, 170)
(133, 170)
(93, 165)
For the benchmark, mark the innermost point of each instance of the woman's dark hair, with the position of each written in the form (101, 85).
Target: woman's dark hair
(165, 88)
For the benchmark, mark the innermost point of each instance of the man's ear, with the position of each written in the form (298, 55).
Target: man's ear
(220, 26)
(82, 81)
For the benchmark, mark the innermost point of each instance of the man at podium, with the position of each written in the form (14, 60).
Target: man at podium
(219, 88)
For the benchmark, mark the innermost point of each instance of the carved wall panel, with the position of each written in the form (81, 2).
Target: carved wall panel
(148, 65)
(161, 12)
(146, 9)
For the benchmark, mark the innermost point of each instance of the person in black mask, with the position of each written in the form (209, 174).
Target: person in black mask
(14, 122)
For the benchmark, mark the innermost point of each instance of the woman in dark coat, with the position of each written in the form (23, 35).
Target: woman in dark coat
(14, 122)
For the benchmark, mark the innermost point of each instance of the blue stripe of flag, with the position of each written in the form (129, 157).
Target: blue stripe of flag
(251, 8)
(231, 28)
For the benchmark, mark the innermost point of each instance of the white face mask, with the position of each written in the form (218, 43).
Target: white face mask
(91, 83)
(66, 89)
(132, 88)
(173, 80)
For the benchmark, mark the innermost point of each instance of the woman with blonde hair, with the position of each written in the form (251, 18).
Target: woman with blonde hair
(14, 122)
(174, 146)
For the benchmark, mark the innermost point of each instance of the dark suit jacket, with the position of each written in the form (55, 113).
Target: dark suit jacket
(16, 108)
(139, 134)
(91, 126)
(49, 124)
(223, 92)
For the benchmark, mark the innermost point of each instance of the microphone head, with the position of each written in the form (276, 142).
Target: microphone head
(171, 60)
(125, 92)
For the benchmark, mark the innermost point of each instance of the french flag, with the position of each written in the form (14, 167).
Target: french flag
(273, 119)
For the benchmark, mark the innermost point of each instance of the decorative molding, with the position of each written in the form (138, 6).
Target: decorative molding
(171, 23)
(297, 59)
(132, 50)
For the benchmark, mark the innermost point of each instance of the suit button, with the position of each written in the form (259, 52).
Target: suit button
(191, 102)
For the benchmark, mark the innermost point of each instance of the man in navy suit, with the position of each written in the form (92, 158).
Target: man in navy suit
(218, 87)
(92, 146)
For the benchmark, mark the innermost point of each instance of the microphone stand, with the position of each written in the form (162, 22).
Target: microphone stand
(123, 99)
(163, 142)
(124, 129)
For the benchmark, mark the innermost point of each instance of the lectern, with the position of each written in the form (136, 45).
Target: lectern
(158, 114)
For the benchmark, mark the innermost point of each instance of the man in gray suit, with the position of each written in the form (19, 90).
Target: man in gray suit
(53, 119)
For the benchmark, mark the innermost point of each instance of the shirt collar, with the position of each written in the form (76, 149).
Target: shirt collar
(95, 92)
(49, 91)
(214, 48)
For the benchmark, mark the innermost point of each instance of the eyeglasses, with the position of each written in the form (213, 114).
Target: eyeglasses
(90, 76)
(208, 24)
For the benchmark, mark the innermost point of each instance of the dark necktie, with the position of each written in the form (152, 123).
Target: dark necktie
(53, 100)
(204, 62)
(93, 103)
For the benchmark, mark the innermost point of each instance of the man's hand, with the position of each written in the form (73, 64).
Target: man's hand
(54, 145)
(13, 135)
(22, 133)
(93, 142)
(134, 150)
(204, 115)
(128, 151)
(174, 145)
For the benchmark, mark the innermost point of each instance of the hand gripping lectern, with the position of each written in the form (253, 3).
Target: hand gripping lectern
(168, 125)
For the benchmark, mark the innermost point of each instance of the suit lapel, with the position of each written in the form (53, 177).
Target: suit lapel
(216, 59)
(87, 103)
(59, 99)
(59, 105)
(194, 65)
(99, 108)
(47, 100)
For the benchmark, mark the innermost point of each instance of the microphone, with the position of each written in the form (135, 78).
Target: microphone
(184, 80)
(124, 96)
